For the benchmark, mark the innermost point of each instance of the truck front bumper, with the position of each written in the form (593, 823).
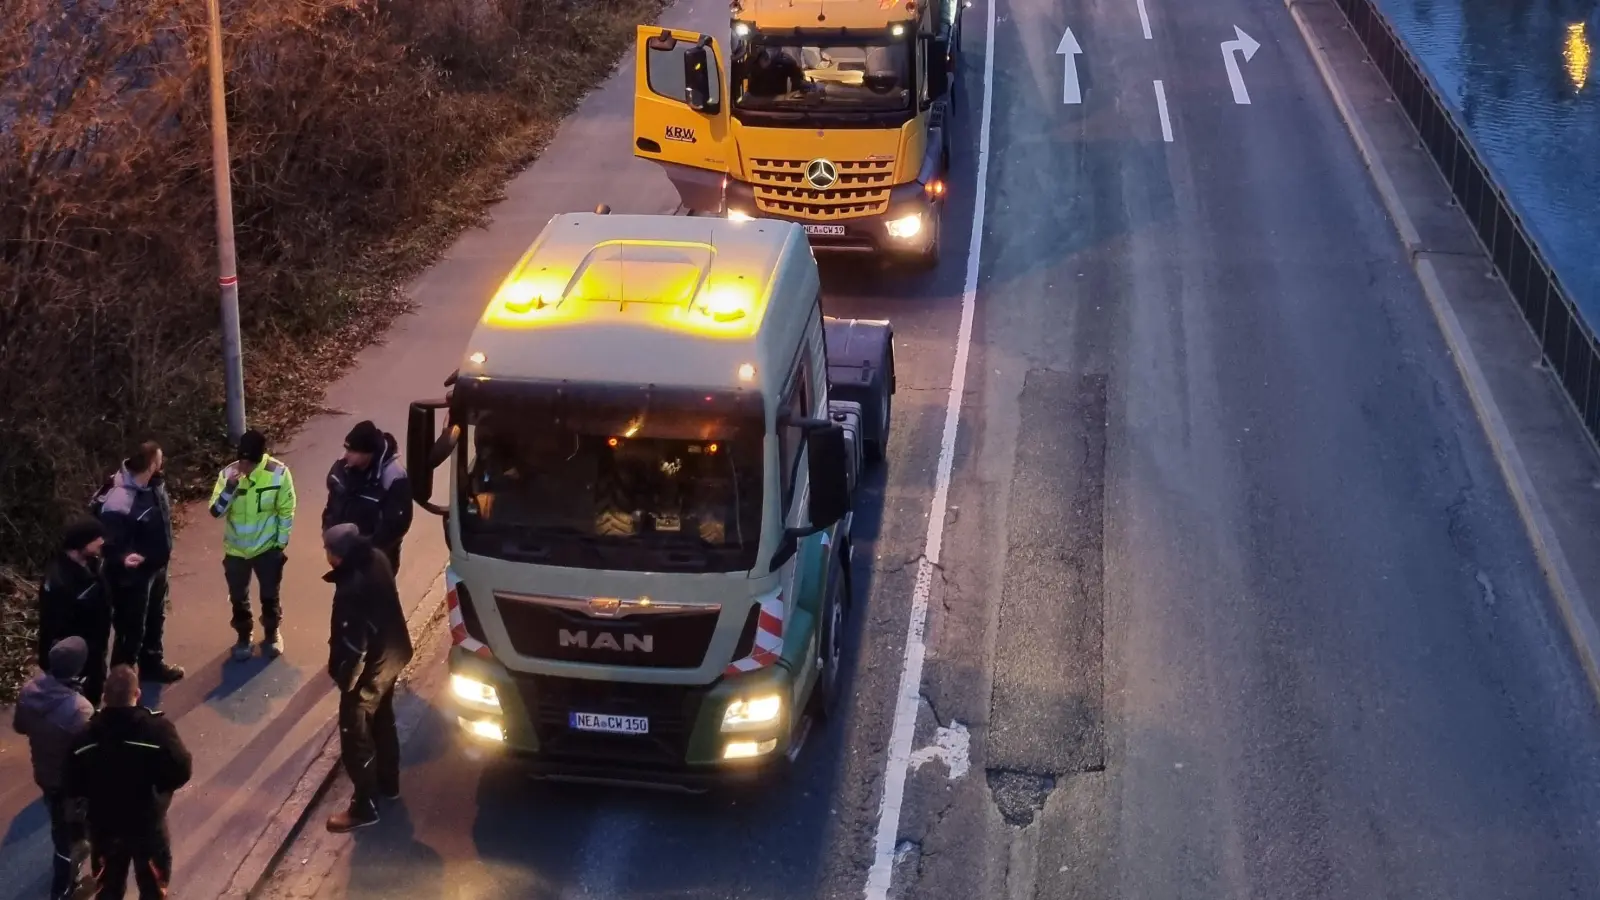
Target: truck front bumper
(908, 227)
(685, 747)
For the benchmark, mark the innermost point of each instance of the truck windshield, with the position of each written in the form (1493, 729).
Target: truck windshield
(611, 488)
(802, 74)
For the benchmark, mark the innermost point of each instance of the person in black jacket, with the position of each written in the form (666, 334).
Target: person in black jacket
(368, 488)
(368, 648)
(125, 769)
(74, 601)
(137, 514)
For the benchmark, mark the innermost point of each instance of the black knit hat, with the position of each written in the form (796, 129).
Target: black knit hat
(252, 446)
(81, 534)
(364, 438)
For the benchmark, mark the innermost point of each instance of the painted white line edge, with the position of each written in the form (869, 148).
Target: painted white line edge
(1563, 584)
(1161, 108)
(1144, 20)
(881, 875)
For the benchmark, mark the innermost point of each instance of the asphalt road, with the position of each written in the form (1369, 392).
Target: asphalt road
(1232, 601)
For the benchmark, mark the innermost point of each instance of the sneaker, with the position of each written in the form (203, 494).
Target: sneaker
(160, 673)
(272, 647)
(351, 819)
(242, 651)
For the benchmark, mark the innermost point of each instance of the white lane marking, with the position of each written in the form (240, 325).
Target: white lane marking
(1246, 45)
(1144, 20)
(897, 765)
(1069, 51)
(951, 746)
(1161, 107)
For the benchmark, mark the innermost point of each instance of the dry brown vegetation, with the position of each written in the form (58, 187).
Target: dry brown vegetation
(364, 135)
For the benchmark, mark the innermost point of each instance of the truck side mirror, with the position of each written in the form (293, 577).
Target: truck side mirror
(828, 463)
(697, 78)
(422, 452)
(938, 68)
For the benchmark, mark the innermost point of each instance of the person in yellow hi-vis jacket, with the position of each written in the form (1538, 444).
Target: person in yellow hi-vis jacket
(255, 497)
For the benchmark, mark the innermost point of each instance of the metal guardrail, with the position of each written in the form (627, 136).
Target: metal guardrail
(1568, 342)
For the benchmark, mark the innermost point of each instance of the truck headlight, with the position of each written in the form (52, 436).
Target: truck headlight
(747, 711)
(748, 749)
(483, 729)
(905, 227)
(475, 693)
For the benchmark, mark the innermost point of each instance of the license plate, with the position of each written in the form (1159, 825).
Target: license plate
(581, 721)
(825, 229)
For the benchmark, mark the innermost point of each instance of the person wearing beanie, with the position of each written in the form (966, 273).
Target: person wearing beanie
(254, 496)
(368, 488)
(368, 648)
(75, 601)
(52, 715)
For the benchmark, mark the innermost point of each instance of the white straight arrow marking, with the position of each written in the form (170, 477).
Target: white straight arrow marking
(1069, 50)
(1247, 46)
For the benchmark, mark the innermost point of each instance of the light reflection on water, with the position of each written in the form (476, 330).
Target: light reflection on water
(1518, 73)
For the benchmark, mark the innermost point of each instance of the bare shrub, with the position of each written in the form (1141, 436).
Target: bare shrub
(363, 134)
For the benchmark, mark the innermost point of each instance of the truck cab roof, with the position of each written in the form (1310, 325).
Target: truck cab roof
(671, 301)
(852, 14)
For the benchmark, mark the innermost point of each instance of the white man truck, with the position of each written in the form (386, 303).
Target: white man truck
(654, 440)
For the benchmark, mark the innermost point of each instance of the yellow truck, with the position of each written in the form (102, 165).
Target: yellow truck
(653, 443)
(833, 114)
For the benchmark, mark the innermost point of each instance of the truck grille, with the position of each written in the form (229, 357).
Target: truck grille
(862, 189)
(676, 640)
(671, 709)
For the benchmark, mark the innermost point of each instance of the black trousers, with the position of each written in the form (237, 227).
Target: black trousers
(94, 670)
(268, 571)
(369, 743)
(149, 856)
(139, 610)
(66, 834)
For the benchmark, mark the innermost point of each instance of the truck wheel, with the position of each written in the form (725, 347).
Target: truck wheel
(825, 696)
(613, 519)
(876, 446)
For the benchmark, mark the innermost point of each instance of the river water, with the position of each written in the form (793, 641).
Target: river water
(1520, 77)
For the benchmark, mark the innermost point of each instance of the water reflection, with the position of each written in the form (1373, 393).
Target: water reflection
(1516, 71)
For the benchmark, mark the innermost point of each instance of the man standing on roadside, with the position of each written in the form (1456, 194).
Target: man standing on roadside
(137, 514)
(367, 488)
(125, 767)
(368, 648)
(255, 495)
(75, 602)
(51, 714)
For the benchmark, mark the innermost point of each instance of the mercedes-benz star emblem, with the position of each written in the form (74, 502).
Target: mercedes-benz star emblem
(821, 173)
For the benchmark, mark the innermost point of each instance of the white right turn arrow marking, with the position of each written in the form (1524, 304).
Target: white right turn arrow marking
(1246, 46)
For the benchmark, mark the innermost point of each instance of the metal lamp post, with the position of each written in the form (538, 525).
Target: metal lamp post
(228, 273)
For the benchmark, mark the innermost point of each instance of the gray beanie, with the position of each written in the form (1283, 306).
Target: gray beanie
(341, 539)
(68, 657)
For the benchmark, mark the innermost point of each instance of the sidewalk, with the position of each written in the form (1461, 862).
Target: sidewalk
(255, 728)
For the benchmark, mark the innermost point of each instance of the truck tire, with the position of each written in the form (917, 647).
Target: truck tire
(876, 445)
(825, 696)
(613, 518)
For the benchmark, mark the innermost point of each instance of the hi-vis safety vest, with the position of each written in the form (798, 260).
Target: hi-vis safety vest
(259, 511)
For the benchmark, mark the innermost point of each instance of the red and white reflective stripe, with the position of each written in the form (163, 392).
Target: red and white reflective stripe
(769, 637)
(458, 625)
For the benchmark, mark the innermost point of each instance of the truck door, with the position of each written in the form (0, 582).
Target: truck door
(680, 112)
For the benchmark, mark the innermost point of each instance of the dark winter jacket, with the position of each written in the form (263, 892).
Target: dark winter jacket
(376, 499)
(73, 602)
(126, 766)
(52, 715)
(138, 519)
(368, 641)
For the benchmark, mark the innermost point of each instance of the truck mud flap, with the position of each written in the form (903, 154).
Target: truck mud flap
(861, 370)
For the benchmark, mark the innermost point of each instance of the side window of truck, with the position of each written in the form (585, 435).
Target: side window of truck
(664, 72)
(797, 405)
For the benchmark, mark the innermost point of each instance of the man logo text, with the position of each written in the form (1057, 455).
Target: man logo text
(630, 643)
(680, 133)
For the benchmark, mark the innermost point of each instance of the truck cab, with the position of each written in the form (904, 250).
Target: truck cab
(651, 448)
(833, 114)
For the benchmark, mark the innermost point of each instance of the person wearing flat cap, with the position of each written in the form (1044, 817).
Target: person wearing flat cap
(368, 488)
(75, 601)
(52, 715)
(368, 648)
